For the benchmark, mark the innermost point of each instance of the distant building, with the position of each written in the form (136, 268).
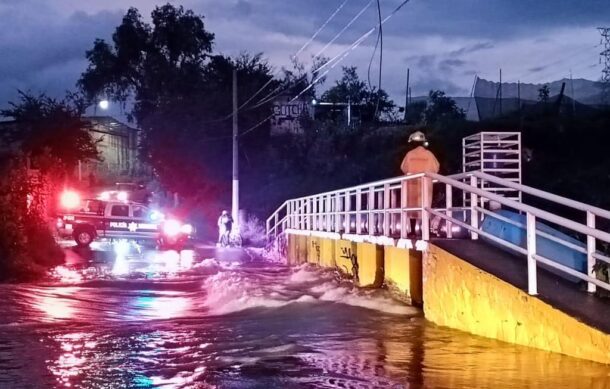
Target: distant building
(118, 147)
(117, 144)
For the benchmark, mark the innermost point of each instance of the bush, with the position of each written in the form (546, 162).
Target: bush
(253, 232)
(27, 247)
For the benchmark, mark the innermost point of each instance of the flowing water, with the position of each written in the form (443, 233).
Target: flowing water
(122, 318)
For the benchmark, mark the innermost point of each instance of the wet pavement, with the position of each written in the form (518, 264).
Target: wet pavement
(124, 316)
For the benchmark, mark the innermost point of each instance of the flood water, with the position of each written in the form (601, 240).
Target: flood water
(122, 318)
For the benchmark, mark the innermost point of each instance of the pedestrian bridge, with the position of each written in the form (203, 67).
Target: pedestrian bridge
(524, 268)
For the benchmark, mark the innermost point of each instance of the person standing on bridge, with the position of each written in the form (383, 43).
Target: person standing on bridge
(418, 160)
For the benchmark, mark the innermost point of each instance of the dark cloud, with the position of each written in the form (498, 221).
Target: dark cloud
(537, 69)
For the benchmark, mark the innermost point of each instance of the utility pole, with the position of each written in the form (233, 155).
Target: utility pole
(605, 57)
(407, 94)
(235, 199)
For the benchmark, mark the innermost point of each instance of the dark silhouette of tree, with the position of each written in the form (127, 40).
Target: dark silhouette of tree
(364, 99)
(543, 94)
(181, 93)
(442, 109)
(49, 129)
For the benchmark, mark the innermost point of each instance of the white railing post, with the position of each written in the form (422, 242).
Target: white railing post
(290, 215)
(425, 216)
(448, 206)
(370, 207)
(532, 281)
(338, 209)
(474, 214)
(320, 201)
(308, 214)
(329, 209)
(348, 215)
(386, 205)
(358, 211)
(591, 288)
(403, 205)
(275, 223)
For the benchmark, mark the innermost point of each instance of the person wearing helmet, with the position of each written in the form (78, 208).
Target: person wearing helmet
(418, 160)
(225, 224)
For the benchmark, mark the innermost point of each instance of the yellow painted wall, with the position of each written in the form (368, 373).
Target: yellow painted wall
(370, 264)
(461, 296)
(327, 252)
(344, 249)
(403, 273)
(313, 250)
(297, 249)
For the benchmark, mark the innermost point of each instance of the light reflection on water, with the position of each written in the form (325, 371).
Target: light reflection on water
(170, 322)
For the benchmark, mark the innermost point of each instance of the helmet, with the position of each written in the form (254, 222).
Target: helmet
(225, 212)
(418, 136)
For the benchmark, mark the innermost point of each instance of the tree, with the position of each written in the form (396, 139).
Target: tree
(442, 109)
(416, 112)
(543, 94)
(363, 98)
(46, 127)
(182, 93)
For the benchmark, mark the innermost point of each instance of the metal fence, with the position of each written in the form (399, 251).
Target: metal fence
(379, 209)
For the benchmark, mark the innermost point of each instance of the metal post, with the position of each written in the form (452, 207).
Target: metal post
(425, 216)
(403, 205)
(358, 211)
(348, 215)
(591, 288)
(474, 214)
(329, 220)
(235, 202)
(308, 214)
(338, 209)
(386, 205)
(532, 284)
(276, 220)
(349, 112)
(448, 206)
(370, 207)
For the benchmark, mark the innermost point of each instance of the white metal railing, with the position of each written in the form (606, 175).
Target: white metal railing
(380, 209)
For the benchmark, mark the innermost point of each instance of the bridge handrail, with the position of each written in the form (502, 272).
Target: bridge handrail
(545, 195)
(381, 207)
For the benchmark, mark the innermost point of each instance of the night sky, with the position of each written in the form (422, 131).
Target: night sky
(444, 42)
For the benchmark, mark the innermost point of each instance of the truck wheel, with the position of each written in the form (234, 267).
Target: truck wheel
(83, 236)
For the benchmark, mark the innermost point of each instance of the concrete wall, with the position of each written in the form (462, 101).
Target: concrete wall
(461, 296)
(454, 294)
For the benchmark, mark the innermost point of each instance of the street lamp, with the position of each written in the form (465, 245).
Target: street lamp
(104, 104)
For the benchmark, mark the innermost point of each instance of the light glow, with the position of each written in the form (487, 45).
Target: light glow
(186, 229)
(122, 196)
(172, 227)
(70, 199)
(104, 104)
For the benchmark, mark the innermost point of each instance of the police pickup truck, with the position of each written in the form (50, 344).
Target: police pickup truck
(96, 218)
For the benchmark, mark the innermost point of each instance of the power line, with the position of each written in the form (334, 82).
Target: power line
(336, 61)
(345, 28)
(380, 58)
(299, 51)
(272, 78)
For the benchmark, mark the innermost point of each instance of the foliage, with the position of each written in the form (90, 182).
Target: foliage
(253, 232)
(416, 112)
(27, 247)
(442, 109)
(544, 93)
(182, 95)
(46, 127)
(363, 98)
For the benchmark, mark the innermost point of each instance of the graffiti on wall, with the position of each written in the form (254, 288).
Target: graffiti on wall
(287, 115)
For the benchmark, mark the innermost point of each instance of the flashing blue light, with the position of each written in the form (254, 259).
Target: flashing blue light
(156, 216)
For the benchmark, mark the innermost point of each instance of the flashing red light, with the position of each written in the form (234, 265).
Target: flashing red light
(70, 199)
(172, 227)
